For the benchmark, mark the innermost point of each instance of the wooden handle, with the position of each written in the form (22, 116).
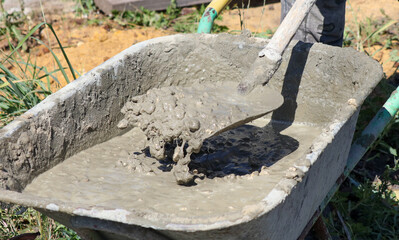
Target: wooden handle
(287, 29)
(218, 5)
(269, 58)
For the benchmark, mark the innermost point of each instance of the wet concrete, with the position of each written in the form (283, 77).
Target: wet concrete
(63, 127)
(235, 165)
(181, 118)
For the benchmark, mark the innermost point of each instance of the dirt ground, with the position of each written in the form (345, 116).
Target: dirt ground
(90, 45)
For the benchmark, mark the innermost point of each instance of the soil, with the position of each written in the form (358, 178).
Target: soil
(262, 19)
(88, 45)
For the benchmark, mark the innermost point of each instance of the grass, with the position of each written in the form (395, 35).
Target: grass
(23, 84)
(16, 220)
(367, 211)
(85, 7)
(11, 24)
(366, 204)
(362, 35)
(173, 18)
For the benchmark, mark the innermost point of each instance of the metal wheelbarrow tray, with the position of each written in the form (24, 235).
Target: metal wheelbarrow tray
(323, 88)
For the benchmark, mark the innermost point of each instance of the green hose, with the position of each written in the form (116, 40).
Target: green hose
(206, 22)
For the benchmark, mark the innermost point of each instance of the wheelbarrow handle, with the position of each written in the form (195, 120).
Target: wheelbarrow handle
(287, 29)
(210, 14)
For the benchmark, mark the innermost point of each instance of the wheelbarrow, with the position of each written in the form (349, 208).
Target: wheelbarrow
(323, 89)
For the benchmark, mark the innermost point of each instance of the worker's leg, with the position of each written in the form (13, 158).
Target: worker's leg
(325, 22)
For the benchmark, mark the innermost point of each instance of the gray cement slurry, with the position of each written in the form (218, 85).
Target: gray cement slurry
(182, 117)
(227, 186)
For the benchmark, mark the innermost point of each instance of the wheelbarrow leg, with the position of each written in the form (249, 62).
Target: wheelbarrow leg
(319, 227)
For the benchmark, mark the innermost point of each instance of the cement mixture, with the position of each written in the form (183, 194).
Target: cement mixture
(288, 170)
(181, 118)
(227, 183)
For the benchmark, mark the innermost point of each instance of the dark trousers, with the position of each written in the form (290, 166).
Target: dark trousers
(325, 22)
